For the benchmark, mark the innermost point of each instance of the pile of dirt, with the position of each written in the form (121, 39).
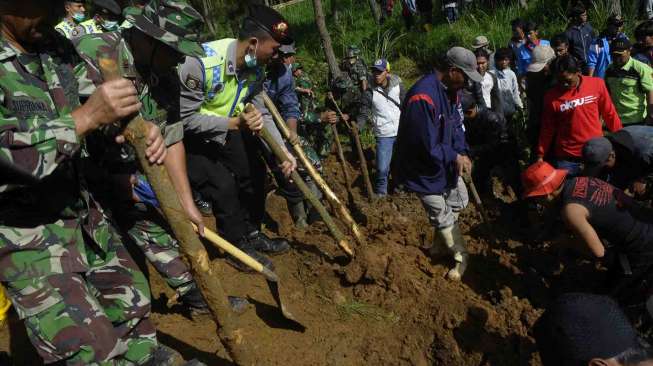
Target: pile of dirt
(391, 305)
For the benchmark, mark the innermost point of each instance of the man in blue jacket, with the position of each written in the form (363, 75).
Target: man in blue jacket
(580, 34)
(432, 152)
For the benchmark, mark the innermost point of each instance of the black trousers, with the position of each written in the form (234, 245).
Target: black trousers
(232, 177)
(242, 155)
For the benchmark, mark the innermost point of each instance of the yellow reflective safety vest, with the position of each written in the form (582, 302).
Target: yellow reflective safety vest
(91, 27)
(223, 92)
(68, 29)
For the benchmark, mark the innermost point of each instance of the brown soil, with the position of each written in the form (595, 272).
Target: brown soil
(390, 306)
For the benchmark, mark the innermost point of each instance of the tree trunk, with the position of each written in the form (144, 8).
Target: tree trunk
(326, 39)
(335, 14)
(376, 12)
(206, 13)
(615, 7)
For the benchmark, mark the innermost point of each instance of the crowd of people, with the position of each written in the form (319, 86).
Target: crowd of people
(581, 105)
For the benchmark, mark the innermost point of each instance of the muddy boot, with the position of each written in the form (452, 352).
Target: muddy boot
(260, 242)
(438, 248)
(246, 246)
(194, 301)
(166, 356)
(298, 213)
(454, 241)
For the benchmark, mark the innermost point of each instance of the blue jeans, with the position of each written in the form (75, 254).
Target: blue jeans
(383, 158)
(573, 168)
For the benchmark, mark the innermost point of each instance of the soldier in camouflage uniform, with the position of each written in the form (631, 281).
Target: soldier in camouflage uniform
(350, 100)
(83, 299)
(172, 24)
(317, 136)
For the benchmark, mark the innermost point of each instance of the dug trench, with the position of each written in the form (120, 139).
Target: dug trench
(390, 305)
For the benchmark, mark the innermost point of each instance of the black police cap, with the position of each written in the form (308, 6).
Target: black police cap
(272, 22)
(108, 7)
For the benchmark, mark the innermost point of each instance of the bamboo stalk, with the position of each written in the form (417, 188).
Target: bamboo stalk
(359, 149)
(342, 210)
(301, 185)
(229, 333)
(341, 158)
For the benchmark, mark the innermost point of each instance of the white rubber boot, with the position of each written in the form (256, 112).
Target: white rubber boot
(438, 247)
(453, 239)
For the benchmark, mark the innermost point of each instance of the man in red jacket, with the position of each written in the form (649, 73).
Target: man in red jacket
(572, 115)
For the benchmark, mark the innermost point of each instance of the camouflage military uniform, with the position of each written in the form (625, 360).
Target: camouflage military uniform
(143, 223)
(315, 137)
(81, 295)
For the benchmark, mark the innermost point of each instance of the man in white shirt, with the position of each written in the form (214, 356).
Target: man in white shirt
(385, 96)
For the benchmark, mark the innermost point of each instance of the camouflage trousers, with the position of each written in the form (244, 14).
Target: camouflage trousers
(148, 229)
(100, 317)
(318, 138)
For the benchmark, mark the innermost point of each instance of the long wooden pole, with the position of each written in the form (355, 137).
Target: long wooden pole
(301, 185)
(359, 149)
(341, 158)
(343, 212)
(191, 247)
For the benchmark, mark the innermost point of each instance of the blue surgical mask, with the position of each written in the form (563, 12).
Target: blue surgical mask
(79, 17)
(250, 61)
(110, 25)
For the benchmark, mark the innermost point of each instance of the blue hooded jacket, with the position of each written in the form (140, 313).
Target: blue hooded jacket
(431, 135)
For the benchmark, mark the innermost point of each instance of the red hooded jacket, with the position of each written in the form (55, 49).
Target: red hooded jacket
(573, 116)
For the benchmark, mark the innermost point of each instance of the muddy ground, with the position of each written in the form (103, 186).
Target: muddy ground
(391, 305)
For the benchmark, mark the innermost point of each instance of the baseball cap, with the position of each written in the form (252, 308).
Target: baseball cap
(479, 42)
(272, 22)
(542, 56)
(175, 23)
(620, 45)
(541, 179)
(465, 60)
(579, 327)
(595, 153)
(380, 64)
(297, 66)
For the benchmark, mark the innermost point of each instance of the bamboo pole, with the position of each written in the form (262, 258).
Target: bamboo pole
(359, 149)
(191, 247)
(342, 210)
(341, 158)
(301, 185)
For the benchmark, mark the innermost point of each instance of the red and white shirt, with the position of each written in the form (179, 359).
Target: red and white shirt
(573, 116)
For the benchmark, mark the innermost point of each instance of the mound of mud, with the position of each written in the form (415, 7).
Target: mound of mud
(391, 305)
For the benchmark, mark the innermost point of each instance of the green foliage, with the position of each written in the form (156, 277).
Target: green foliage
(413, 52)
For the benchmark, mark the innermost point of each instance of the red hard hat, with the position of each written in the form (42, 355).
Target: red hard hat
(541, 179)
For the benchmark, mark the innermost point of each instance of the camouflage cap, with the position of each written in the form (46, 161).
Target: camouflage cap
(353, 51)
(173, 22)
(297, 66)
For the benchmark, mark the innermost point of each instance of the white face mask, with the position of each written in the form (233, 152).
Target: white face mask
(79, 17)
(110, 25)
(251, 61)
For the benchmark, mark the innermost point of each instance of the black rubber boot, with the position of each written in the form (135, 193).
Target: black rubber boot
(298, 213)
(246, 246)
(194, 301)
(262, 243)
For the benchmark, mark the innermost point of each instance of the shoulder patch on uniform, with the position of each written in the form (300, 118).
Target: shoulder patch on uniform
(192, 82)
